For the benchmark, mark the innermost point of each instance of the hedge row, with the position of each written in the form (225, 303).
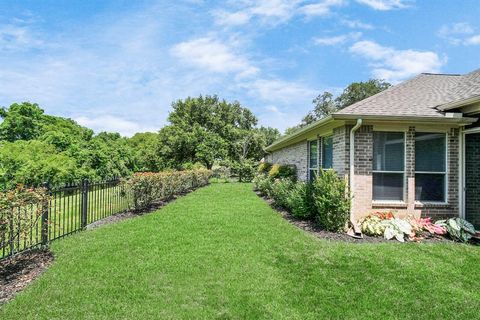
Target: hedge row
(149, 187)
(326, 200)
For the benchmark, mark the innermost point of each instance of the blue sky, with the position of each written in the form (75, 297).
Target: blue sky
(117, 65)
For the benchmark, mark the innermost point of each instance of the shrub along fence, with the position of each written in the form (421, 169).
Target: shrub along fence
(33, 217)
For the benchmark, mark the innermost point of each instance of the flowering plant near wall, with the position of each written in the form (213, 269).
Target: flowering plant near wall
(20, 211)
(416, 229)
(148, 187)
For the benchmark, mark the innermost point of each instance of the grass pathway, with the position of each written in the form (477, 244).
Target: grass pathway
(221, 252)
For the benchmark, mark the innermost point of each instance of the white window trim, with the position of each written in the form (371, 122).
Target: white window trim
(310, 169)
(321, 153)
(446, 173)
(403, 201)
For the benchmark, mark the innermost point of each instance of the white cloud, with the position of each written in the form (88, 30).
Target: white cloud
(356, 24)
(280, 91)
(18, 38)
(395, 65)
(273, 11)
(455, 29)
(322, 8)
(113, 124)
(384, 5)
(474, 40)
(214, 56)
(460, 33)
(331, 41)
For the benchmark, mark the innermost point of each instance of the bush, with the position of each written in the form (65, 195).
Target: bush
(264, 168)
(281, 171)
(263, 184)
(149, 187)
(20, 212)
(300, 200)
(280, 190)
(332, 201)
(245, 170)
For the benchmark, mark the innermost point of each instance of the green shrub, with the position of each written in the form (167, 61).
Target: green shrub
(300, 200)
(280, 171)
(264, 168)
(332, 201)
(280, 190)
(149, 187)
(20, 212)
(263, 184)
(245, 170)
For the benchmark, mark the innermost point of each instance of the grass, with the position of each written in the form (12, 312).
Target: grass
(221, 252)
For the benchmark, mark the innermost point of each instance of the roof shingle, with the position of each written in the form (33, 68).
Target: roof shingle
(418, 96)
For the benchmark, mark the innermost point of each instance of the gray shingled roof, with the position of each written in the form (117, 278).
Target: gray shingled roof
(418, 96)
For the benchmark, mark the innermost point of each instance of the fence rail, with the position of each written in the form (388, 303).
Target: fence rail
(68, 209)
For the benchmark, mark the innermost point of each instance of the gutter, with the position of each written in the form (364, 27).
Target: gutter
(450, 119)
(298, 133)
(357, 233)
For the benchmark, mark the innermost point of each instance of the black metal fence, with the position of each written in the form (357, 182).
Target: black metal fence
(69, 208)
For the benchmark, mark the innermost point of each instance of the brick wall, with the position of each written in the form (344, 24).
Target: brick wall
(363, 203)
(296, 154)
(472, 174)
(341, 147)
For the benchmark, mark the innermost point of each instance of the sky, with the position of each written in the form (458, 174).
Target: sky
(118, 65)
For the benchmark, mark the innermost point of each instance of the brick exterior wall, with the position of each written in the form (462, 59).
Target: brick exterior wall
(341, 147)
(296, 154)
(363, 203)
(472, 174)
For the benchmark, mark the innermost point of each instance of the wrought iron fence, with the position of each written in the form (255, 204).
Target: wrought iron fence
(69, 208)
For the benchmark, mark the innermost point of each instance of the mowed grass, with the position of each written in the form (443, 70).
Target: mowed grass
(223, 253)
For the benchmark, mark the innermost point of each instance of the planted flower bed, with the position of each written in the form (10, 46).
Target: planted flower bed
(326, 201)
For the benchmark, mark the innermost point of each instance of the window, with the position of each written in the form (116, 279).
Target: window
(430, 166)
(312, 159)
(327, 152)
(388, 166)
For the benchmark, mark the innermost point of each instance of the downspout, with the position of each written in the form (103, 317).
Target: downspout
(356, 229)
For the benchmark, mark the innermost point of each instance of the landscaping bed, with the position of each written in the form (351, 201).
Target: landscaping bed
(315, 229)
(323, 206)
(19, 271)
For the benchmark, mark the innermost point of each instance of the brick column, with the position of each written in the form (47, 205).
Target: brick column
(410, 170)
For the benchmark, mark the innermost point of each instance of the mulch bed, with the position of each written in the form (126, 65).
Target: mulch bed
(18, 271)
(316, 230)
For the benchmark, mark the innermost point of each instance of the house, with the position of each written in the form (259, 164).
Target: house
(413, 149)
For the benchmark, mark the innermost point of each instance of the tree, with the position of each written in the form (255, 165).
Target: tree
(207, 129)
(144, 147)
(325, 104)
(20, 122)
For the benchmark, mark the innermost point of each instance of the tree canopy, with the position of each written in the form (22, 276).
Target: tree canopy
(325, 103)
(36, 147)
(208, 130)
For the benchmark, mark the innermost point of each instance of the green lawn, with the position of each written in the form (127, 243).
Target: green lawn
(221, 252)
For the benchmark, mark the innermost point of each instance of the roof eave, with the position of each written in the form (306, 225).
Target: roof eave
(303, 131)
(458, 103)
(446, 120)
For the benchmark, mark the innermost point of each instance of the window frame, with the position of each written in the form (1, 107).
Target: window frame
(445, 173)
(403, 172)
(322, 153)
(317, 168)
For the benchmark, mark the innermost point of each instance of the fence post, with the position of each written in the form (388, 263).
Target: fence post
(45, 204)
(84, 203)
